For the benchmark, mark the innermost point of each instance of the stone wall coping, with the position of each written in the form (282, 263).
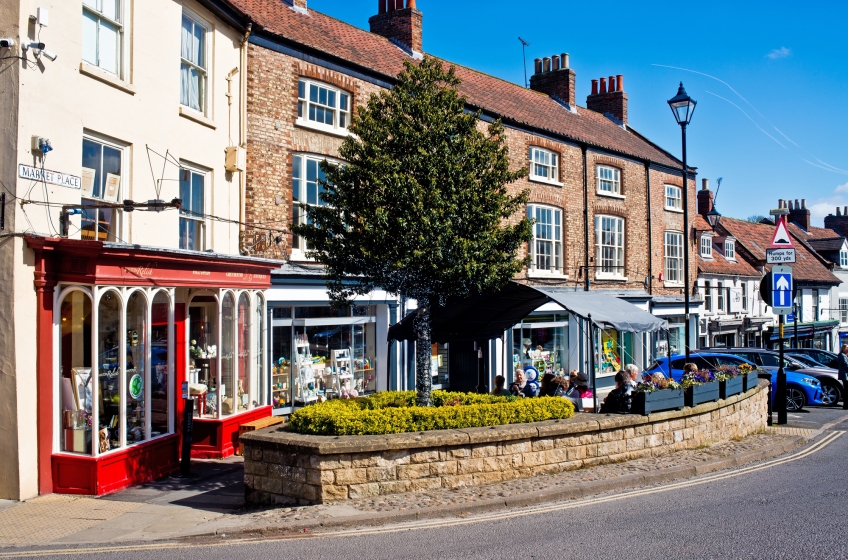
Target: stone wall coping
(581, 423)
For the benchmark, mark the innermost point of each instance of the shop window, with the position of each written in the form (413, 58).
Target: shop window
(244, 385)
(320, 312)
(192, 215)
(259, 391)
(136, 378)
(203, 355)
(193, 65)
(543, 345)
(160, 365)
(109, 372)
(673, 197)
(546, 246)
(228, 390)
(75, 384)
(101, 171)
(616, 351)
(322, 106)
(439, 364)
(281, 354)
(609, 239)
(544, 165)
(331, 359)
(609, 180)
(103, 34)
(674, 257)
(671, 342)
(307, 190)
(281, 313)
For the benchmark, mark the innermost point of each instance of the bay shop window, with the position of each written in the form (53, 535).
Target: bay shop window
(116, 361)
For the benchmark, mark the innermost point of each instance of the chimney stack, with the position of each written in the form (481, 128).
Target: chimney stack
(799, 214)
(394, 21)
(553, 77)
(705, 198)
(609, 101)
(839, 222)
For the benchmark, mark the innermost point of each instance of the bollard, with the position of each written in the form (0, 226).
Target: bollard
(188, 423)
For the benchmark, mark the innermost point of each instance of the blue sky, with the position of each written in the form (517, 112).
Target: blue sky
(786, 59)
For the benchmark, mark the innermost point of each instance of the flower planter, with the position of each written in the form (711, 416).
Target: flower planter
(665, 399)
(698, 394)
(730, 387)
(751, 381)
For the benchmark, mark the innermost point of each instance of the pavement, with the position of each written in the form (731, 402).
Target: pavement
(210, 503)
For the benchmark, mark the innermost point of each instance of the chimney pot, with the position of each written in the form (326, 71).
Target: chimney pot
(797, 206)
(611, 87)
(845, 211)
(564, 58)
(620, 82)
(804, 203)
(411, 4)
(394, 22)
(603, 85)
(594, 87)
(780, 203)
(555, 62)
(792, 206)
(538, 64)
(547, 64)
(705, 184)
(381, 6)
(838, 211)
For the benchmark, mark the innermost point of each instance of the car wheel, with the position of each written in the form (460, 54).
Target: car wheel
(831, 394)
(795, 399)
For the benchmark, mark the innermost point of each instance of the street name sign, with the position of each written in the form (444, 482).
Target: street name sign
(780, 256)
(781, 290)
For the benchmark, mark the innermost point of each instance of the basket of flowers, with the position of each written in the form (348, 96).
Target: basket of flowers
(730, 381)
(656, 393)
(699, 386)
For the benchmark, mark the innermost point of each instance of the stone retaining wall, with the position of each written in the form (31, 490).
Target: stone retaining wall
(282, 467)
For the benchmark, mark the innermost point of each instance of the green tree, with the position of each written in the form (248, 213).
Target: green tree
(421, 207)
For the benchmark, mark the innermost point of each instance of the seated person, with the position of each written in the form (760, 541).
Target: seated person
(499, 389)
(516, 388)
(618, 400)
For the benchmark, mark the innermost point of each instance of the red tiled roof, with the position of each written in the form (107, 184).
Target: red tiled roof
(505, 99)
(756, 238)
(718, 264)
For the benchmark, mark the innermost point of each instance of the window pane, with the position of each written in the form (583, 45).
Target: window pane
(136, 369)
(311, 170)
(89, 38)
(243, 341)
(301, 89)
(227, 352)
(75, 373)
(191, 234)
(313, 93)
(185, 196)
(108, 47)
(343, 101)
(199, 46)
(109, 374)
(331, 98)
(197, 194)
(110, 9)
(92, 158)
(160, 372)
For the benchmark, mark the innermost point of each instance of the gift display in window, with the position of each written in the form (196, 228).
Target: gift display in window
(109, 374)
(75, 373)
(610, 359)
(281, 371)
(203, 356)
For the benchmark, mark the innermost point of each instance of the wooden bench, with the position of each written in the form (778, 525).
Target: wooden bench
(257, 425)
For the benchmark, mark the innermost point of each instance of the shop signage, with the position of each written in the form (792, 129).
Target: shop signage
(136, 386)
(780, 256)
(48, 176)
(147, 272)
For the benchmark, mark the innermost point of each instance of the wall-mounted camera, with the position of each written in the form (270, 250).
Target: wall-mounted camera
(6, 43)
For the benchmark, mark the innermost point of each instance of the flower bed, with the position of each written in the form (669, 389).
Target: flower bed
(395, 412)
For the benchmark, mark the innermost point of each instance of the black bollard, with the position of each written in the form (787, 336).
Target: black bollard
(188, 423)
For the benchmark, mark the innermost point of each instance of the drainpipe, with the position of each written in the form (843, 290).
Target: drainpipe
(650, 230)
(585, 217)
(243, 131)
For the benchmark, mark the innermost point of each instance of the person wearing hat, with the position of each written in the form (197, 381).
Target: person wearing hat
(527, 343)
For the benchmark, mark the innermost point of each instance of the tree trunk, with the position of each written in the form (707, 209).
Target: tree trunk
(423, 350)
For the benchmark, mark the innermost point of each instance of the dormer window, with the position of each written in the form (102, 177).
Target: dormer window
(730, 249)
(843, 258)
(707, 246)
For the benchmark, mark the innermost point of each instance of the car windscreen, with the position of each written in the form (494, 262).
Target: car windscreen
(729, 360)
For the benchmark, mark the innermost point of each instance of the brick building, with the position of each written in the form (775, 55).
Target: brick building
(610, 198)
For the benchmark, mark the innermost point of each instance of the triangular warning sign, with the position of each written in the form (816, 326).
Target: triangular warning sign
(781, 239)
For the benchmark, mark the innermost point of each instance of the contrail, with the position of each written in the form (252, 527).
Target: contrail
(750, 119)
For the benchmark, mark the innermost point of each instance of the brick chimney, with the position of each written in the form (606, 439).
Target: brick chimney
(705, 198)
(799, 214)
(403, 24)
(553, 77)
(610, 99)
(839, 222)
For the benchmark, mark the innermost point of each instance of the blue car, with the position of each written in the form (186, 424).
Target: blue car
(801, 389)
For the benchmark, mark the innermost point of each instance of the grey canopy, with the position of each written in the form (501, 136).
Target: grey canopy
(605, 310)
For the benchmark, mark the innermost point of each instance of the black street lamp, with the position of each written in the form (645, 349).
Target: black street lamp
(683, 107)
(713, 217)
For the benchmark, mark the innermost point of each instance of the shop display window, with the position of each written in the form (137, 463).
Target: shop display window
(670, 342)
(136, 368)
(541, 342)
(203, 355)
(615, 352)
(75, 382)
(439, 364)
(227, 389)
(243, 385)
(109, 371)
(160, 365)
(281, 395)
(259, 352)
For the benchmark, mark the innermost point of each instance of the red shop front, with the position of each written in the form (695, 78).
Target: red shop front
(124, 333)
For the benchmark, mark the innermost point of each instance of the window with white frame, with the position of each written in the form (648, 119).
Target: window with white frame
(707, 246)
(546, 247)
(323, 106)
(609, 180)
(193, 63)
(730, 249)
(843, 310)
(673, 197)
(744, 296)
(192, 213)
(103, 34)
(708, 295)
(674, 257)
(544, 165)
(102, 171)
(843, 258)
(306, 191)
(720, 298)
(609, 238)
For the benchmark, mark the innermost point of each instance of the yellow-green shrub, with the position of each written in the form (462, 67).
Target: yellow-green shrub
(395, 412)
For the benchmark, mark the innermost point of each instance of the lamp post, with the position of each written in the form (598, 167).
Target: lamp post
(682, 106)
(713, 217)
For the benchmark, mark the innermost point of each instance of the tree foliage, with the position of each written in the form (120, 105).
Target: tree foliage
(421, 207)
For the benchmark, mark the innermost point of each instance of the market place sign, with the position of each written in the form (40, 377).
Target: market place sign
(48, 176)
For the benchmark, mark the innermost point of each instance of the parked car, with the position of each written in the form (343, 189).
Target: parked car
(806, 360)
(801, 389)
(769, 360)
(825, 358)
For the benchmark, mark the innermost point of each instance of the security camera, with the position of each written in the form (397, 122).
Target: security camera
(6, 43)
(48, 54)
(34, 46)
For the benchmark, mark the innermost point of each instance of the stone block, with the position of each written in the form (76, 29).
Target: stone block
(542, 444)
(406, 472)
(576, 453)
(253, 452)
(553, 456)
(346, 477)
(660, 427)
(442, 468)
(319, 478)
(381, 474)
(331, 493)
(255, 467)
(425, 456)
(497, 464)
(610, 447)
(248, 480)
(393, 458)
(653, 440)
(487, 477)
(363, 460)
(271, 456)
(418, 484)
(646, 429)
(458, 453)
(534, 458)
(394, 486)
(635, 443)
(467, 466)
(566, 441)
(368, 490)
(484, 450)
(330, 462)
(457, 481)
(270, 485)
(612, 435)
(513, 447)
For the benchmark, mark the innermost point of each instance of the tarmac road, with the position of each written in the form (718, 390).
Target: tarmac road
(791, 507)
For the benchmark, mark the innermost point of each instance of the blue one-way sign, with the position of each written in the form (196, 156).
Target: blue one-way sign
(781, 289)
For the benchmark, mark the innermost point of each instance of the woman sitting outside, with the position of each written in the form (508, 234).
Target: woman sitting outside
(618, 400)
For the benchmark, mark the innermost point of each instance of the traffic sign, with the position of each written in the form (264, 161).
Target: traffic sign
(781, 238)
(780, 256)
(767, 285)
(781, 289)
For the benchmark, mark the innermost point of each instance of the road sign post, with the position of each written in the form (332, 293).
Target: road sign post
(780, 394)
